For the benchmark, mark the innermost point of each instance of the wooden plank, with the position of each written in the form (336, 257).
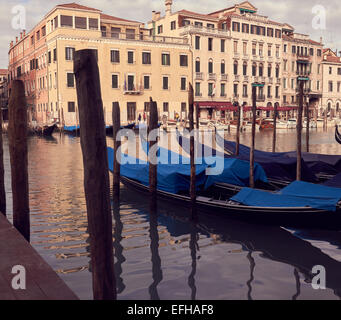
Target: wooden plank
(42, 283)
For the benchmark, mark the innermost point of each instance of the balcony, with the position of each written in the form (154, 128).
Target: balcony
(212, 76)
(303, 57)
(192, 29)
(271, 80)
(132, 92)
(246, 78)
(246, 57)
(236, 55)
(144, 37)
(261, 79)
(303, 73)
(199, 76)
(260, 98)
(255, 79)
(236, 78)
(198, 94)
(224, 77)
(278, 81)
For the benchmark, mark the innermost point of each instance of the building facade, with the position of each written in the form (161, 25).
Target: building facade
(221, 53)
(331, 96)
(133, 65)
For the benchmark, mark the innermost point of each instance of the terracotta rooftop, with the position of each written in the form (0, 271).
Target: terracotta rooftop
(108, 17)
(333, 59)
(75, 5)
(289, 38)
(207, 16)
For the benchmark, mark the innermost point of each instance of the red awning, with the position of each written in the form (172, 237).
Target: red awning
(220, 105)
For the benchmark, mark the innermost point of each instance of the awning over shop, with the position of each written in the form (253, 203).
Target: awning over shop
(218, 105)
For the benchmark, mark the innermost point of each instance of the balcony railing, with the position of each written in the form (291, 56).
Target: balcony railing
(144, 37)
(236, 78)
(260, 98)
(212, 76)
(192, 29)
(271, 80)
(303, 73)
(246, 78)
(199, 76)
(224, 77)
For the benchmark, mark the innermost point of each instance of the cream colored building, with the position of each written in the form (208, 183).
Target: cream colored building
(331, 96)
(133, 65)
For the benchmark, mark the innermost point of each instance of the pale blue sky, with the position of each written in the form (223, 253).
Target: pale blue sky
(296, 13)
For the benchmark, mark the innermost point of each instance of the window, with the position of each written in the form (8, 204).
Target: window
(49, 56)
(146, 58)
(235, 89)
(70, 80)
(183, 107)
(130, 33)
(114, 81)
(245, 68)
(183, 83)
(254, 51)
(210, 26)
(197, 42)
(235, 46)
(311, 51)
(210, 89)
(261, 50)
(197, 66)
(222, 67)
(278, 33)
(165, 83)
(160, 29)
(80, 22)
(185, 23)
(115, 56)
(330, 86)
(210, 66)
(269, 70)
(56, 22)
(183, 60)
(69, 53)
(130, 57)
(131, 111)
(131, 83)
(293, 49)
(222, 45)
(210, 44)
(66, 21)
(319, 52)
(222, 90)
(115, 32)
(71, 106)
(269, 50)
(38, 35)
(269, 91)
(165, 57)
(244, 90)
(277, 92)
(104, 31)
(261, 70)
(173, 25)
(236, 26)
(55, 54)
(43, 31)
(32, 40)
(93, 23)
(146, 82)
(165, 107)
(330, 70)
(270, 32)
(197, 89)
(235, 68)
(245, 48)
(285, 48)
(277, 71)
(245, 28)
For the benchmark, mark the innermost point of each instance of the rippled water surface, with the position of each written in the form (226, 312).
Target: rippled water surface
(165, 255)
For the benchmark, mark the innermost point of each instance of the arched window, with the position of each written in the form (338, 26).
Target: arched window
(277, 71)
(269, 70)
(235, 68)
(222, 67)
(254, 69)
(245, 68)
(329, 106)
(197, 65)
(261, 69)
(337, 106)
(210, 66)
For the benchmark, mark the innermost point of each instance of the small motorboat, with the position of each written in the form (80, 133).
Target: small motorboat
(292, 123)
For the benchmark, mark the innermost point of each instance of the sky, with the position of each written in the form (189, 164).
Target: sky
(301, 14)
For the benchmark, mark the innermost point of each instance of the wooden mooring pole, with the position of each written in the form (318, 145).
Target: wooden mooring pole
(299, 132)
(252, 150)
(307, 137)
(275, 129)
(2, 173)
(238, 128)
(96, 174)
(17, 134)
(116, 122)
(152, 157)
(191, 129)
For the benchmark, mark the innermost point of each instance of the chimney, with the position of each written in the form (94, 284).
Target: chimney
(16, 39)
(24, 33)
(168, 4)
(11, 45)
(320, 39)
(20, 35)
(156, 15)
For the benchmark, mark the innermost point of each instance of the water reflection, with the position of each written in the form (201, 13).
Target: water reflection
(156, 255)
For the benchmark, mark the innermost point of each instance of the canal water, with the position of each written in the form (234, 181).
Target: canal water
(168, 256)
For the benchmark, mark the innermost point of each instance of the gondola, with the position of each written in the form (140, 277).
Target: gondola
(337, 135)
(296, 205)
(73, 130)
(46, 130)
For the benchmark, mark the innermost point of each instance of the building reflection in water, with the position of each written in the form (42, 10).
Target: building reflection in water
(252, 269)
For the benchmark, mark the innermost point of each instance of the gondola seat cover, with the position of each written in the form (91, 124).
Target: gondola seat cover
(174, 178)
(297, 194)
